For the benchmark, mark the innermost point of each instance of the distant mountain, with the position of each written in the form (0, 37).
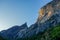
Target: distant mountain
(12, 32)
(49, 17)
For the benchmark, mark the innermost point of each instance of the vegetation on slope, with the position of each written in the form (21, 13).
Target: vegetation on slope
(49, 34)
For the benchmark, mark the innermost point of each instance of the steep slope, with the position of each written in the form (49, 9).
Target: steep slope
(49, 10)
(49, 16)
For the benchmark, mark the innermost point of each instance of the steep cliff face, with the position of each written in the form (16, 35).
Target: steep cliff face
(48, 10)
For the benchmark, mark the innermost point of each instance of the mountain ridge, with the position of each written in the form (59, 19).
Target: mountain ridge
(49, 16)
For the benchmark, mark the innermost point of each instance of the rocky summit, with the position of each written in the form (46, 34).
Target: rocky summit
(47, 26)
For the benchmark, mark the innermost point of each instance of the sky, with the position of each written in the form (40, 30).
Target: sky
(17, 12)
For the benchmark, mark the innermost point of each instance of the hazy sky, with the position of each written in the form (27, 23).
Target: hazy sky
(17, 12)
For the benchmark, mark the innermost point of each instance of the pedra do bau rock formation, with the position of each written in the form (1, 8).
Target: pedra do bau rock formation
(49, 16)
(48, 10)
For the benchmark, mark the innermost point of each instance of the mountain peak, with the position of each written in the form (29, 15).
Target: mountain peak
(13, 31)
(24, 25)
(48, 10)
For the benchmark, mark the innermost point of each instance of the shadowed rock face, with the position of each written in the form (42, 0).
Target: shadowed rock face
(12, 32)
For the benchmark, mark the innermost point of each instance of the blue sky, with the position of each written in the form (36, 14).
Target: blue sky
(17, 12)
